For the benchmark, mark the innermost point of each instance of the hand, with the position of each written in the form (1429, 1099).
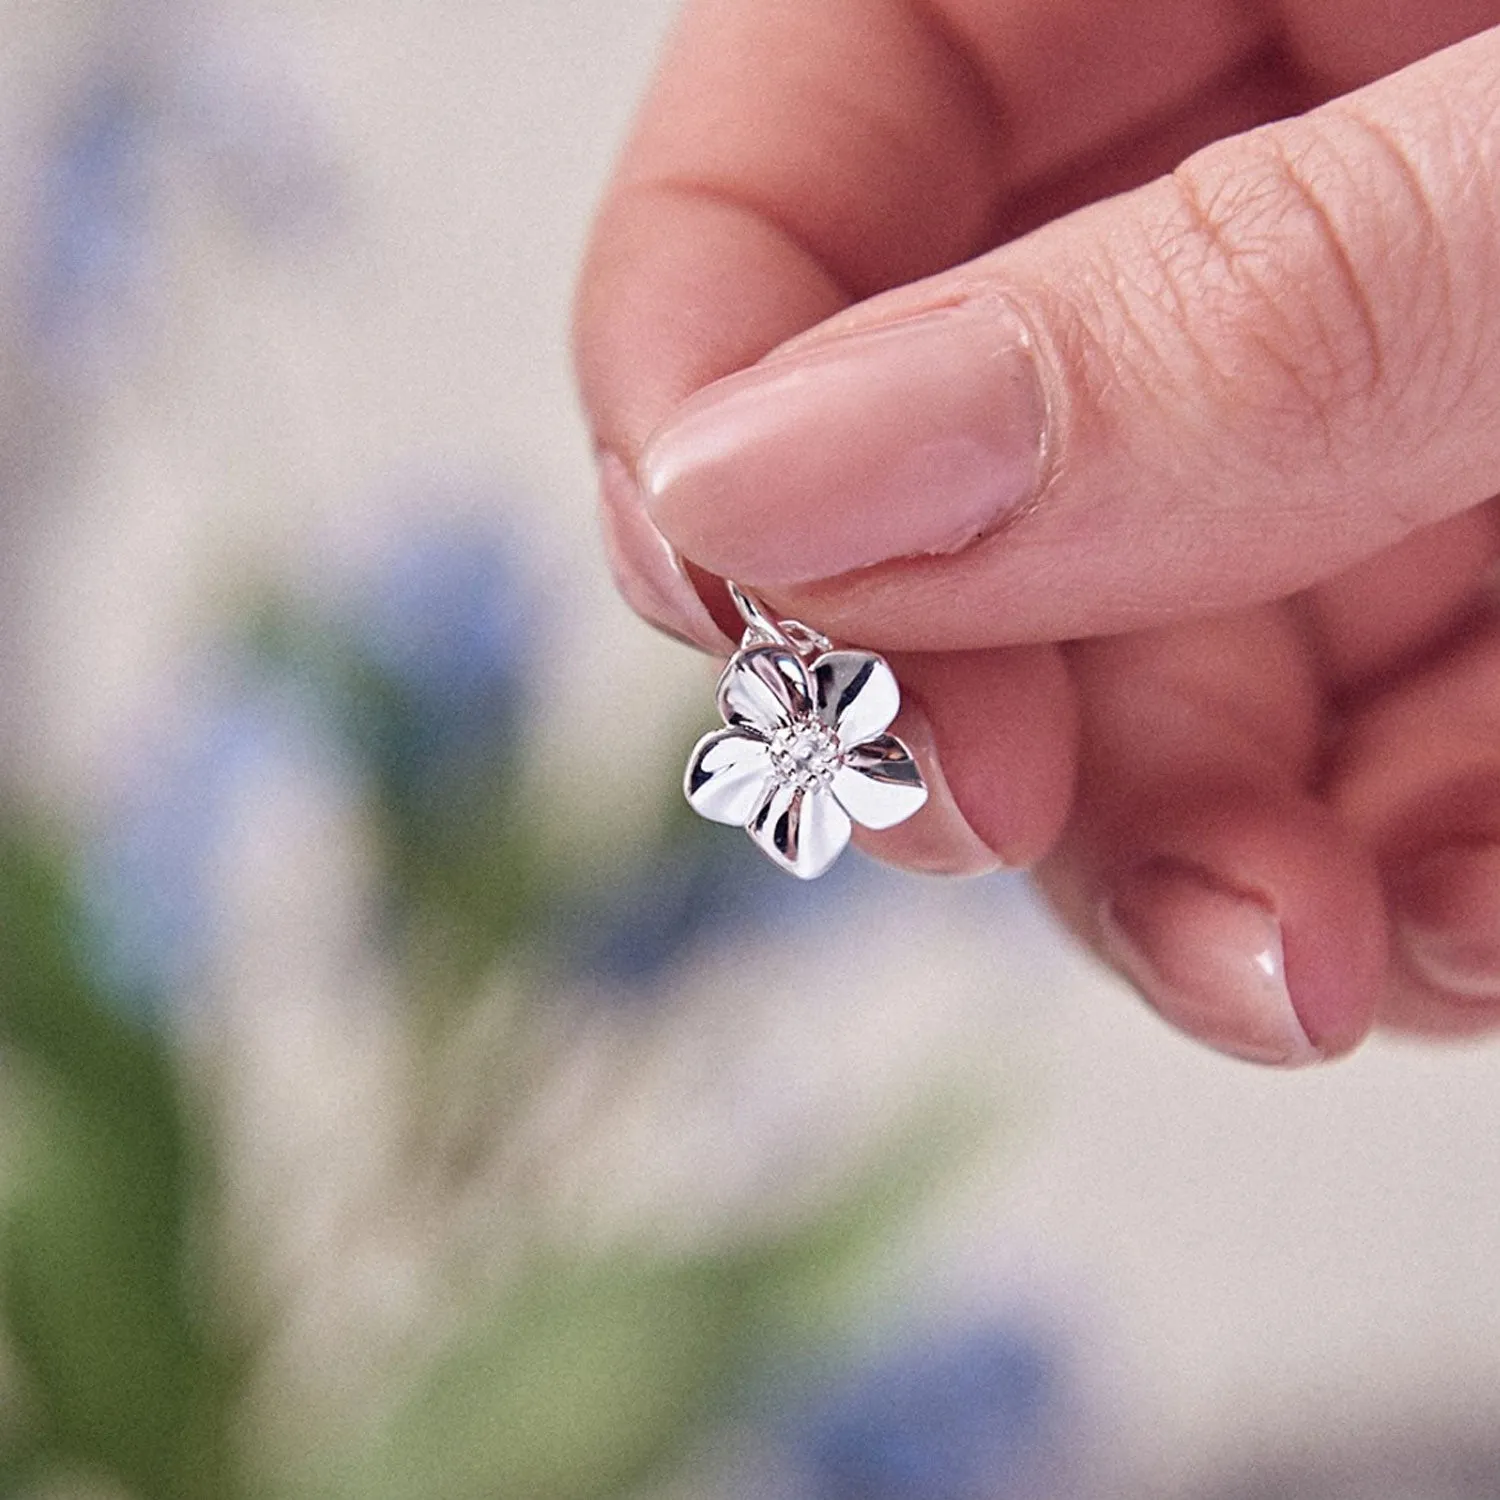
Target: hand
(1173, 511)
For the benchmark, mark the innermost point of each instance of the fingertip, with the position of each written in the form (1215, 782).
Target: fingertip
(1445, 918)
(1446, 907)
(995, 733)
(1337, 944)
(1212, 961)
(1245, 919)
(1006, 726)
(939, 839)
(1418, 778)
(649, 574)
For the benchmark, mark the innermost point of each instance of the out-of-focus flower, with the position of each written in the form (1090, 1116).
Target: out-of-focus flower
(806, 755)
(415, 695)
(219, 106)
(425, 649)
(92, 220)
(700, 890)
(976, 1416)
(242, 106)
(447, 621)
(149, 876)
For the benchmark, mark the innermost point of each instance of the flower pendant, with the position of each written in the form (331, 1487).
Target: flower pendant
(804, 754)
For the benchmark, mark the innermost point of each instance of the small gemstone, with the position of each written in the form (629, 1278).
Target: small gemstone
(805, 754)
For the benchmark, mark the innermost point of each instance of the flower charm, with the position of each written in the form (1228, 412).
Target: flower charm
(805, 754)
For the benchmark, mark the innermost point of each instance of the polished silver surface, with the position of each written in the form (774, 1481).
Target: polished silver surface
(805, 753)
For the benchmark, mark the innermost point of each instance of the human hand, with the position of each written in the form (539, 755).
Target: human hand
(1174, 513)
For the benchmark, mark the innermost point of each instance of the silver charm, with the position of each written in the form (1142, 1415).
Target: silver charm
(804, 754)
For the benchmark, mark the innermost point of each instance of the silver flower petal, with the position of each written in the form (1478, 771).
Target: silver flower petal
(804, 832)
(727, 775)
(879, 784)
(856, 693)
(766, 688)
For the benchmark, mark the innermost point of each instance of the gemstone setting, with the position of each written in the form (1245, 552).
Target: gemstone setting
(805, 754)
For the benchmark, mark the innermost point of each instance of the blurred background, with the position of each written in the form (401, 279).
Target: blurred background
(401, 1095)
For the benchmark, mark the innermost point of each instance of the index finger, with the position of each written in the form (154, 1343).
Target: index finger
(796, 155)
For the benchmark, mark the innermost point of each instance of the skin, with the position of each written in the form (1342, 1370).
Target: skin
(1236, 670)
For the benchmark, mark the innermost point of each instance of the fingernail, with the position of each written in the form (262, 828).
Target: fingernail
(646, 568)
(1209, 959)
(937, 840)
(910, 439)
(1447, 908)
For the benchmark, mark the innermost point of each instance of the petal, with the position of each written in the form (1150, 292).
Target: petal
(804, 832)
(879, 784)
(727, 775)
(856, 694)
(765, 688)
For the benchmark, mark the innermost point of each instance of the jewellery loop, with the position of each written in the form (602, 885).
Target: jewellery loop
(759, 626)
(757, 621)
(806, 640)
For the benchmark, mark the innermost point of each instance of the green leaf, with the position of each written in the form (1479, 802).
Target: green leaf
(591, 1377)
(121, 1377)
(802, 1287)
(575, 1388)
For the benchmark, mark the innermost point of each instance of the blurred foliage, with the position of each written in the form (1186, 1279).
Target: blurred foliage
(590, 1377)
(461, 869)
(580, 1376)
(572, 1376)
(120, 1375)
(574, 1388)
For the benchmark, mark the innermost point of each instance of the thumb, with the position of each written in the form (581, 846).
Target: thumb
(1208, 392)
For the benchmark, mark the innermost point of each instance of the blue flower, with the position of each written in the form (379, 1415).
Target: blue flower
(147, 875)
(966, 1418)
(93, 215)
(263, 135)
(701, 890)
(447, 623)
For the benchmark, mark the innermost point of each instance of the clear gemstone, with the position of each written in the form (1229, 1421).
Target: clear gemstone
(805, 754)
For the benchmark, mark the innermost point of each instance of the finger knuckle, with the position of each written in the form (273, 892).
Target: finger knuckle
(1314, 260)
